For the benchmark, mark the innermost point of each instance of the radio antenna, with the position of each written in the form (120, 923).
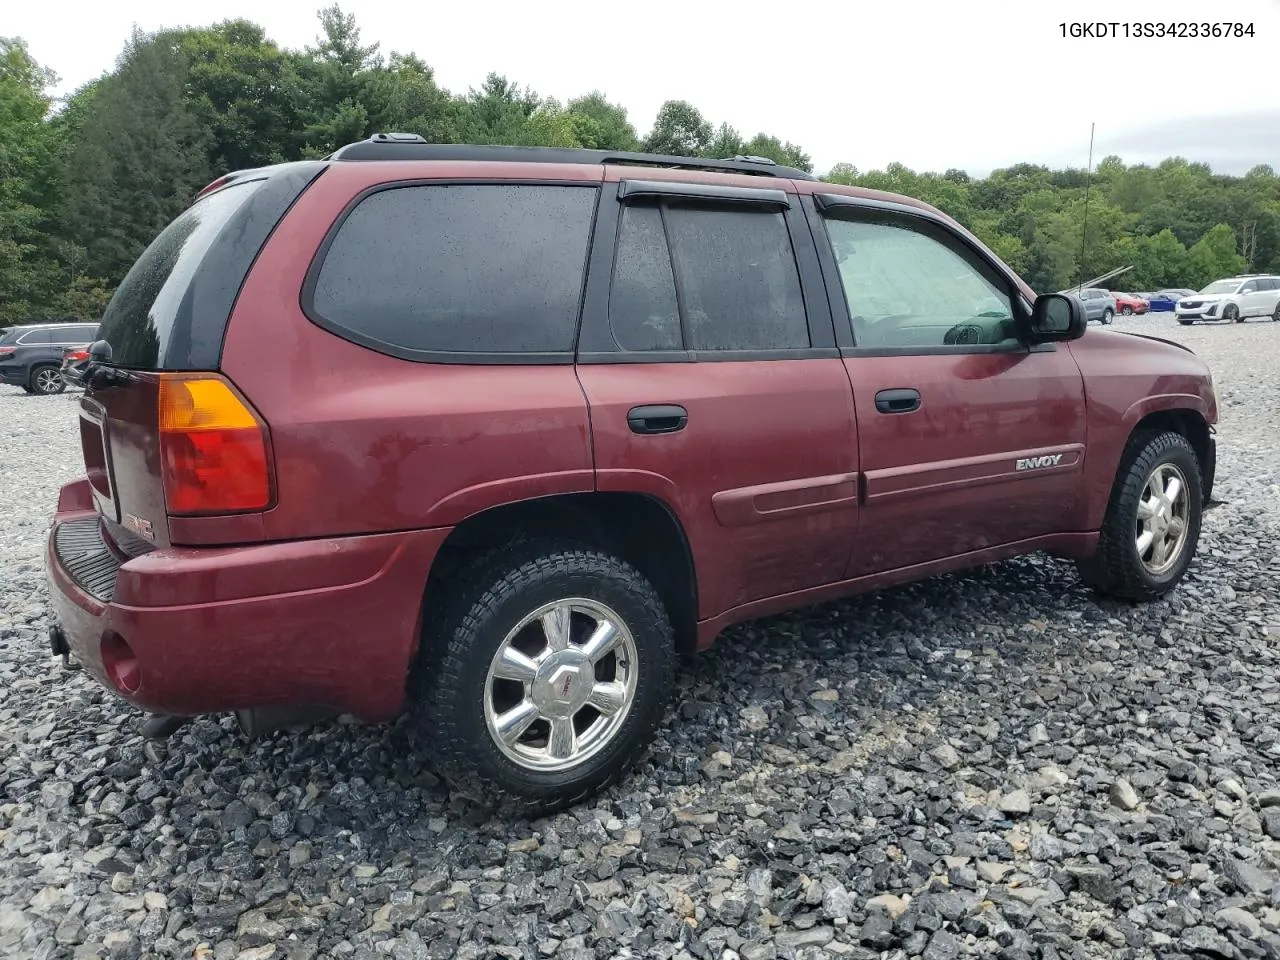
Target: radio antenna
(1084, 233)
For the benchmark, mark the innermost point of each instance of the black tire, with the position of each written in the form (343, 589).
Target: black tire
(1116, 569)
(1231, 313)
(1107, 316)
(1185, 323)
(1275, 314)
(1127, 311)
(448, 687)
(46, 380)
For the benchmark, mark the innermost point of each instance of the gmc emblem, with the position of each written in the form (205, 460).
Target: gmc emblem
(139, 526)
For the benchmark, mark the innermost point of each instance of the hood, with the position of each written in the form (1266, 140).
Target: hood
(1203, 297)
(1100, 334)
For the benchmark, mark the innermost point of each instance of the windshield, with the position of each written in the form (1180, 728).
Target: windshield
(1222, 286)
(151, 310)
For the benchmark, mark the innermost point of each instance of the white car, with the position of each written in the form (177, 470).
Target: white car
(1232, 300)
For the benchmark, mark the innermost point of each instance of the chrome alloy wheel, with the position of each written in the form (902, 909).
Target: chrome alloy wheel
(1163, 519)
(48, 380)
(561, 685)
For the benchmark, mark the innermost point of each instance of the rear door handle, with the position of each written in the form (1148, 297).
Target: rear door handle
(657, 418)
(902, 400)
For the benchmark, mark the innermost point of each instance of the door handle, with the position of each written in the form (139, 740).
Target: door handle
(657, 418)
(902, 400)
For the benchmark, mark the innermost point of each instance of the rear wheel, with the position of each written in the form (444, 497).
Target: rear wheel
(1275, 314)
(544, 675)
(1127, 311)
(1152, 525)
(47, 380)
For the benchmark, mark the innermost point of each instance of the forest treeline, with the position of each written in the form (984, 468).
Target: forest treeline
(86, 182)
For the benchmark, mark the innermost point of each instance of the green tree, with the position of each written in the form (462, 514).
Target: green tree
(787, 154)
(141, 155)
(1213, 257)
(27, 149)
(680, 130)
(236, 84)
(601, 125)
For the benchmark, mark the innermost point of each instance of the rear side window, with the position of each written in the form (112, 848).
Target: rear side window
(33, 337)
(419, 271)
(150, 314)
(705, 278)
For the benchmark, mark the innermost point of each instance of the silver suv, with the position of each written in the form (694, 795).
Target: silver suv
(1233, 300)
(1099, 304)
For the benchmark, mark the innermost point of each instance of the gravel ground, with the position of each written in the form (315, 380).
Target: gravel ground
(989, 764)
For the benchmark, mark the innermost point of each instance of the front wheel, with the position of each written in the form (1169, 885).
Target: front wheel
(1107, 315)
(1152, 524)
(544, 677)
(47, 380)
(1185, 323)
(1127, 311)
(1231, 313)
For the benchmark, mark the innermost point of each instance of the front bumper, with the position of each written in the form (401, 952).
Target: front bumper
(328, 623)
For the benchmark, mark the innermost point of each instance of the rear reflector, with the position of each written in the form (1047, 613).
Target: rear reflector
(213, 449)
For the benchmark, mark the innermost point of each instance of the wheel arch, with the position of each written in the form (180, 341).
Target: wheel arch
(640, 528)
(1190, 422)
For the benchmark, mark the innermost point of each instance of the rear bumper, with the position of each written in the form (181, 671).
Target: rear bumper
(328, 623)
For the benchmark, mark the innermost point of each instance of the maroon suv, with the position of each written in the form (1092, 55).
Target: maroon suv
(496, 434)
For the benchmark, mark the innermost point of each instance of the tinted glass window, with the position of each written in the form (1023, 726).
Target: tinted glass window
(32, 337)
(642, 297)
(139, 322)
(737, 277)
(908, 284)
(470, 268)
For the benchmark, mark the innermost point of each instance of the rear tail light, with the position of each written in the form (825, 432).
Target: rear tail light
(213, 448)
(8, 351)
(75, 356)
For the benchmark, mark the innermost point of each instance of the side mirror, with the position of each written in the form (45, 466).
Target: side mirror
(1056, 317)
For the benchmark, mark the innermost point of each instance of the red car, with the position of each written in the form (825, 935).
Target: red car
(552, 418)
(1128, 304)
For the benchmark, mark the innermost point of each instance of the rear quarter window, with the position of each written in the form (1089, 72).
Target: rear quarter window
(458, 271)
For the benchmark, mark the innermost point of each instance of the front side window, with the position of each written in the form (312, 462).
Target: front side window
(908, 285)
(467, 269)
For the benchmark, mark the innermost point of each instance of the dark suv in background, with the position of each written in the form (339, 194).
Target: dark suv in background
(31, 354)
(552, 418)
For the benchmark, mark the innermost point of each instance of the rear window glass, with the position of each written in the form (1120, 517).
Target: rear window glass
(151, 309)
(473, 269)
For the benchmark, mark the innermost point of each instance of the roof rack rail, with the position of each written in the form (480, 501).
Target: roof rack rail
(411, 146)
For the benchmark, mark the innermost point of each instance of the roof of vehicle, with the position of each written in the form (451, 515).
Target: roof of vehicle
(410, 146)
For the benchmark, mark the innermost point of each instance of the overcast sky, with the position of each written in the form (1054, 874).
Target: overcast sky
(930, 83)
